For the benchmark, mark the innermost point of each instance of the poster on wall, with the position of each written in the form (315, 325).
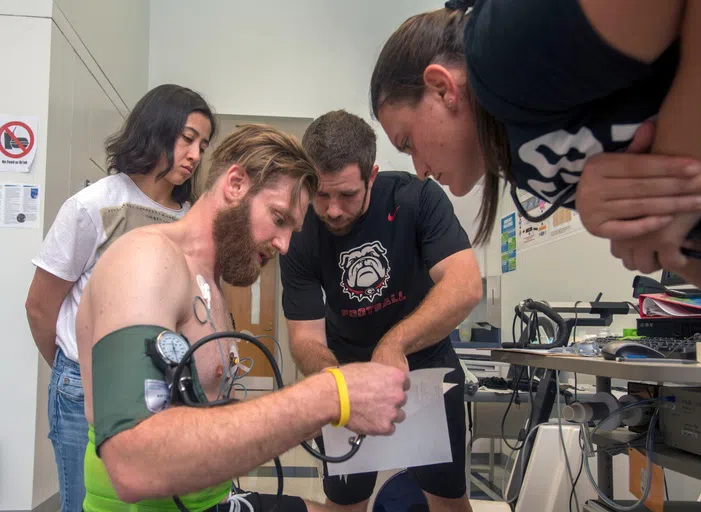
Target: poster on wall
(18, 142)
(531, 234)
(559, 225)
(564, 223)
(508, 243)
(19, 205)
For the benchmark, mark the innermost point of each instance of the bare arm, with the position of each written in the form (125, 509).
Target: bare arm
(628, 195)
(458, 289)
(43, 303)
(309, 347)
(153, 459)
(181, 450)
(678, 133)
(678, 124)
(642, 29)
(150, 460)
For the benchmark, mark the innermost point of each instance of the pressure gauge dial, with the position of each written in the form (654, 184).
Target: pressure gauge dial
(171, 347)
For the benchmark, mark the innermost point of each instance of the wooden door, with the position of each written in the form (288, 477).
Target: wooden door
(253, 309)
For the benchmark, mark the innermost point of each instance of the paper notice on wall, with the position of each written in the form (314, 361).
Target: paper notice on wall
(18, 142)
(421, 439)
(531, 234)
(561, 224)
(564, 223)
(508, 243)
(19, 205)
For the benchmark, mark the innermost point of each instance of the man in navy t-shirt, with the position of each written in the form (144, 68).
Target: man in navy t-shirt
(381, 271)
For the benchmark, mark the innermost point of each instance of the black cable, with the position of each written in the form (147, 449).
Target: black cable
(666, 491)
(633, 306)
(179, 504)
(515, 391)
(278, 469)
(530, 397)
(534, 321)
(579, 472)
(469, 422)
(503, 421)
(574, 327)
(560, 201)
(508, 407)
(518, 379)
(355, 443)
(178, 387)
(562, 329)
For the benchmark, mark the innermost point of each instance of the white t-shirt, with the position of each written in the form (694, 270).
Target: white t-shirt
(85, 226)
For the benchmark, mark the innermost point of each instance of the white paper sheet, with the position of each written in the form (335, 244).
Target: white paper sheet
(19, 205)
(420, 440)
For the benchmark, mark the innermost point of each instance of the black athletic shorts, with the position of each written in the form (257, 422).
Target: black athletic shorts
(267, 503)
(444, 480)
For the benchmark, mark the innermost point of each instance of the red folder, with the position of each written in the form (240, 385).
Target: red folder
(663, 305)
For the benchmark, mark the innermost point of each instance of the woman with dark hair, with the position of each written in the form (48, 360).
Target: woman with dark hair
(152, 161)
(541, 93)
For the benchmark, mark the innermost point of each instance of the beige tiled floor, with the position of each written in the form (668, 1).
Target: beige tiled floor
(307, 488)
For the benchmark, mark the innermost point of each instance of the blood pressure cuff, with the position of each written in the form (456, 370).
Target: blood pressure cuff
(127, 385)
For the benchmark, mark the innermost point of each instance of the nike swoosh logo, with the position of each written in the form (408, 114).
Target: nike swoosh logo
(391, 216)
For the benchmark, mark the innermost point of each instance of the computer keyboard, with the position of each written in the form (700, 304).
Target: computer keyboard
(671, 347)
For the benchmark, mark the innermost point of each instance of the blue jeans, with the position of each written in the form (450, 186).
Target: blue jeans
(68, 430)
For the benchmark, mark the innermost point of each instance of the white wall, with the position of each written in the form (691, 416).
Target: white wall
(116, 33)
(26, 93)
(571, 269)
(83, 65)
(574, 268)
(37, 8)
(278, 58)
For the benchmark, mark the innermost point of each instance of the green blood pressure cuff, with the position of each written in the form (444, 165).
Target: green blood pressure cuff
(127, 385)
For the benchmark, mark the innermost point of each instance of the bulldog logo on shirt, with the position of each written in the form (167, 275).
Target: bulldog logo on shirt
(364, 271)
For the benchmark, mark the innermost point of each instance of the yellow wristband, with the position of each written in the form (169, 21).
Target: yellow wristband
(343, 397)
